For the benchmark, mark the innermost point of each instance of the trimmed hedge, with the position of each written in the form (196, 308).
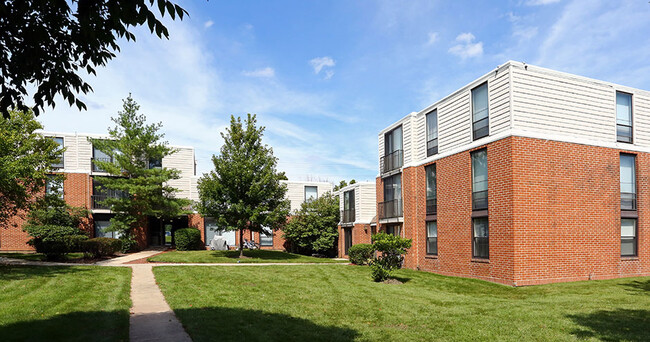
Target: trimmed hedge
(361, 253)
(55, 241)
(188, 239)
(101, 247)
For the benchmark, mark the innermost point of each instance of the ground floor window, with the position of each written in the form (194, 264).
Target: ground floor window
(432, 237)
(347, 239)
(394, 229)
(266, 237)
(480, 237)
(100, 230)
(628, 237)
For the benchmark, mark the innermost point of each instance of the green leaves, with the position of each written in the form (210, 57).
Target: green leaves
(314, 228)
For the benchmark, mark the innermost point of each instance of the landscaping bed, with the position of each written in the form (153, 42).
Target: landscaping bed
(307, 303)
(68, 303)
(232, 256)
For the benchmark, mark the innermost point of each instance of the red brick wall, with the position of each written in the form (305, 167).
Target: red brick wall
(361, 233)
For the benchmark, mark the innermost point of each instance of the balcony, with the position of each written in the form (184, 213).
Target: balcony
(392, 161)
(432, 206)
(97, 168)
(390, 209)
(348, 216)
(97, 200)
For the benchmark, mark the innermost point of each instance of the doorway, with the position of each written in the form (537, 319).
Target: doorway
(161, 232)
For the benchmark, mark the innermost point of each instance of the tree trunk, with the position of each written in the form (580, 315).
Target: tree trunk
(241, 242)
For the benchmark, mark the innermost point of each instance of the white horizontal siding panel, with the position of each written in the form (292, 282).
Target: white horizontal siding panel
(641, 119)
(366, 202)
(499, 104)
(84, 153)
(419, 133)
(406, 141)
(454, 122)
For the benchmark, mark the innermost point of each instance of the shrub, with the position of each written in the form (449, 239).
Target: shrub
(360, 254)
(54, 241)
(390, 249)
(188, 239)
(100, 247)
(128, 243)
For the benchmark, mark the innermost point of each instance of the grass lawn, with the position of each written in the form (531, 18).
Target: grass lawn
(76, 303)
(307, 303)
(254, 256)
(39, 256)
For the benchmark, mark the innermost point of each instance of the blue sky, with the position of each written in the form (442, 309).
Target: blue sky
(325, 77)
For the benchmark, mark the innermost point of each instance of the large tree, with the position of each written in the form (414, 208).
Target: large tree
(314, 227)
(51, 43)
(26, 158)
(244, 189)
(139, 184)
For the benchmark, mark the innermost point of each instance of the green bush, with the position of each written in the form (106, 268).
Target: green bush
(128, 243)
(360, 254)
(101, 247)
(55, 241)
(390, 249)
(188, 239)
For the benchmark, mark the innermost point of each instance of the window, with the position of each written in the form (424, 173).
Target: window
(432, 133)
(480, 114)
(211, 230)
(99, 155)
(392, 204)
(479, 180)
(432, 237)
(59, 164)
(311, 192)
(623, 117)
(628, 237)
(100, 230)
(392, 159)
(348, 239)
(54, 185)
(394, 229)
(432, 205)
(348, 206)
(480, 238)
(628, 182)
(266, 237)
(155, 163)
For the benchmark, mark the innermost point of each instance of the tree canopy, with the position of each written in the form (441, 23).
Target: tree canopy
(342, 184)
(314, 227)
(26, 157)
(138, 185)
(51, 43)
(244, 189)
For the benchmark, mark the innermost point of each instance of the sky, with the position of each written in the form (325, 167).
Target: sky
(324, 77)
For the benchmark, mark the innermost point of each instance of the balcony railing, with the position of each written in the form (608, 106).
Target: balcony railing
(432, 206)
(390, 209)
(392, 161)
(479, 200)
(628, 201)
(97, 200)
(347, 215)
(97, 168)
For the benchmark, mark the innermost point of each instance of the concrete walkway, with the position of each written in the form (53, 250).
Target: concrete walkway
(119, 261)
(151, 317)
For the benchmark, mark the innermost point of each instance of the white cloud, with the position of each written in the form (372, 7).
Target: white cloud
(319, 63)
(208, 23)
(433, 37)
(466, 47)
(329, 74)
(541, 2)
(267, 72)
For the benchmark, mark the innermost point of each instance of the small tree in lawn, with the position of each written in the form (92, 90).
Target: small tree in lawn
(244, 190)
(390, 249)
(26, 158)
(136, 150)
(314, 227)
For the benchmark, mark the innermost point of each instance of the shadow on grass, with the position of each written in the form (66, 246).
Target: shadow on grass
(234, 324)
(615, 325)
(639, 287)
(257, 254)
(402, 279)
(18, 272)
(75, 326)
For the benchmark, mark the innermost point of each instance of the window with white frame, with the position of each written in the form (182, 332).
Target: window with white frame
(480, 113)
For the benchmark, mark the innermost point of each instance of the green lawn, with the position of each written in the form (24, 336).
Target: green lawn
(39, 256)
(254, 256)
(76, 303)
(307, 303)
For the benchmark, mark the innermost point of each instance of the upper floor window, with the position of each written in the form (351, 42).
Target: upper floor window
(311, 192)
(99, 155)
(628, 182)
(392, 204)
(54, 186)
(432, 133)
(432, 205)
(393, 153)
(479, 180)
(623, 117)
(155, 163)
(59, 164)
(480, 114)
(348, 206)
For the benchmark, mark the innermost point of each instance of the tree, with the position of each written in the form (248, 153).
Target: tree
(244, 190)
(391, 249)
(314, 227)
(342, 184)
(139, 184)
(50, 43)
(26, 157)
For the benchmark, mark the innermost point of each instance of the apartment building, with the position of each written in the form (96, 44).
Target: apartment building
(358, 205)
(81, 188)
(524, 176)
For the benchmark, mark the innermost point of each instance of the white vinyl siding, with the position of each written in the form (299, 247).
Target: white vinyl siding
(296, 191)
(365, 200)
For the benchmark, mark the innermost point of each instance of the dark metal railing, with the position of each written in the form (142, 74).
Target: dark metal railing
(628, 201)
(392, 161)
(480, 200)
(432, 206)
(98, 200)
(347, 215)
(391, 209)
(432, 147)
